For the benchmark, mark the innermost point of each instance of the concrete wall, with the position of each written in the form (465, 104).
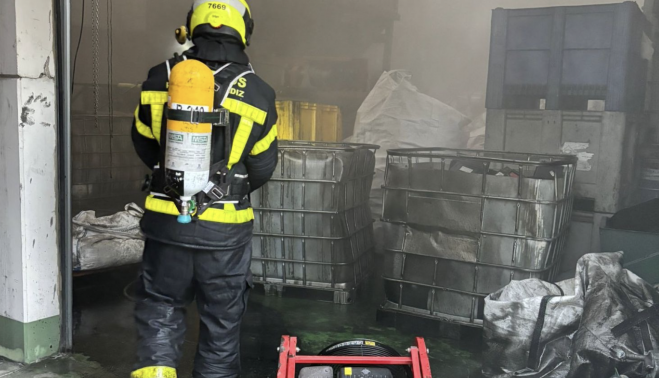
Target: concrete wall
(29, 276)
(445, 45)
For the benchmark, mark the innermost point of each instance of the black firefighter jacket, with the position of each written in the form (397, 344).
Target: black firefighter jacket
(253, 120)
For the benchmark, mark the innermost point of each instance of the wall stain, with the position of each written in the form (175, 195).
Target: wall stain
(45, 102)
(25, 117)
(46, 70)
(28, 111)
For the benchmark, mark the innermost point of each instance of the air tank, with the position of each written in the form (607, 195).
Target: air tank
(188, 146)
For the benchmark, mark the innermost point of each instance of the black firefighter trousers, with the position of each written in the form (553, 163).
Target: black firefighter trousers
(172, 277)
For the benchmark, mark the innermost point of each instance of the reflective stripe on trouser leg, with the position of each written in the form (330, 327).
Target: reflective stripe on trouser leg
(154, 372)
(164, 290)
(224, 280)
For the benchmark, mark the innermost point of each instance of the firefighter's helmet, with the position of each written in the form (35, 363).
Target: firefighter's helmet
(231, 18)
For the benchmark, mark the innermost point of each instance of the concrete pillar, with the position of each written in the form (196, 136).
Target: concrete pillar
(29, 261)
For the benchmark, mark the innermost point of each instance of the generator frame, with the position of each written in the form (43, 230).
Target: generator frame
(289, 359)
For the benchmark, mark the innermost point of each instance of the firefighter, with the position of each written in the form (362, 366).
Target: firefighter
(207, 260)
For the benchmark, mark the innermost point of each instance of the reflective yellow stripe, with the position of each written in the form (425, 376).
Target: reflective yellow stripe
(154, 372)
(245, 110)
(240, 140)
(142, 128)
(265, 143)
(227, 215)
(157, 100)
(156, 120)
(154, 97)
(160, 206)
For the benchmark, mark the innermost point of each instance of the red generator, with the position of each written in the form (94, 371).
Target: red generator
(353, 359)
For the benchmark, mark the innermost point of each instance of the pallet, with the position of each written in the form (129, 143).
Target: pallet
(338, 296)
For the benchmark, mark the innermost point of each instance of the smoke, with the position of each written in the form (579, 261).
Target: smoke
(443, 43)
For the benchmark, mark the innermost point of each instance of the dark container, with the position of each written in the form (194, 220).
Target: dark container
(563, 58)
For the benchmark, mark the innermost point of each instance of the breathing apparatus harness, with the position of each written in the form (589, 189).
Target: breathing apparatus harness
(226, 184)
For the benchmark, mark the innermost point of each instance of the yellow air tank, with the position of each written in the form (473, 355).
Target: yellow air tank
(188, 148)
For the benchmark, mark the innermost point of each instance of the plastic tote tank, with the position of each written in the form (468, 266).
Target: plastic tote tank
(309, 121)
(564, 57)
(313, 227)
(649, 181)
(606, 144)
(464, 223)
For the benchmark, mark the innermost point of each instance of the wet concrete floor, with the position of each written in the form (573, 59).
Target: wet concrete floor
(73, 366)
(105, 335)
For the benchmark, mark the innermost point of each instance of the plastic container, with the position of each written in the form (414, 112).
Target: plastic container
(569, 58)
(606, 144)
(313, 226)
(462, 224)
(314, 176)
(338, 264)
(309, 122)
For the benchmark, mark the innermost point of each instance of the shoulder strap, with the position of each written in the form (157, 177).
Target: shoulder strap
(224, 81)
(225, 78)
(177, 59)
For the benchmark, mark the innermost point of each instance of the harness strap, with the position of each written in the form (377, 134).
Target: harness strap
(220, 117)
(222, 93)
(635, 320)
(221, 69)
(534, 352)
(169, 67)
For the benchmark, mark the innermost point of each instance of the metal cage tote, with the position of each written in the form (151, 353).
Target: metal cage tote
(461, 224)
(313, 226)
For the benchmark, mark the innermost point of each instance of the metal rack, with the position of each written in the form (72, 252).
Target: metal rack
(313, 226)
(459, 228)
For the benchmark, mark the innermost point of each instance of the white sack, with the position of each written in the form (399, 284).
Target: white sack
(106, 242)
(396, 115)
(601, 321)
